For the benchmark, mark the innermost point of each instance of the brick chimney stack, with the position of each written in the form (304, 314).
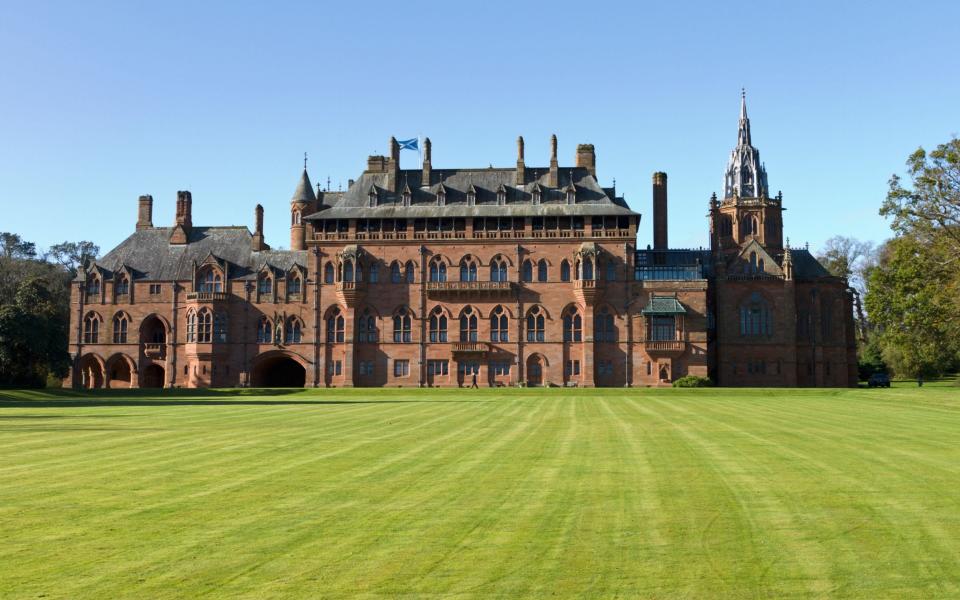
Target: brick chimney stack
(587, 158)
(184, 218)
(145, 212)
(521, 166)
(660, 211)
(427, 166)
(258, 244)
(393, 165)
(554, 178)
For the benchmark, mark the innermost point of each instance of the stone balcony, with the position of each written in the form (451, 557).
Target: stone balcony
(155, 351)
(588, 291)
(471, 348)
(664, 347)
(351, 292)
(206, 297)
(470, 288)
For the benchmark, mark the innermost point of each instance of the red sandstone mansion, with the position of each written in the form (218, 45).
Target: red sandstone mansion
(446, 277)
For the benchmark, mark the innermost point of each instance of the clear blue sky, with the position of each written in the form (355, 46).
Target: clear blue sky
(100, 103)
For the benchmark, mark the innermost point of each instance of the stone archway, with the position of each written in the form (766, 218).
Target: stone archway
(153, 376)
(278, 371)
(120, 372)
(90, 372)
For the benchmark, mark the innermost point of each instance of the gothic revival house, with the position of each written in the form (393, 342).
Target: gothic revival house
(446, 277)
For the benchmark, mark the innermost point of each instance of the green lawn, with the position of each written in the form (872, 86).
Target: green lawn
(479, 493)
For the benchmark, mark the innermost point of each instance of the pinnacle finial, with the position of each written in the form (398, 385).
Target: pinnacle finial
(304, 161)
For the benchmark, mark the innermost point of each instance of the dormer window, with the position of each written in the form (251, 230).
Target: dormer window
(93, 287)
(372, 197)
(265, 284)
(122, 286)
(211, 282)
(471, 196)
(537, 195)
(571, 194)
(441, 197)
(501, 195)
(407, 194)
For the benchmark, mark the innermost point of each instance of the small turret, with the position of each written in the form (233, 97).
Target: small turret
(303, 200)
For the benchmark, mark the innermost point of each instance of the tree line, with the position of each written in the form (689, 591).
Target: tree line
(907, 291)
(35, 308)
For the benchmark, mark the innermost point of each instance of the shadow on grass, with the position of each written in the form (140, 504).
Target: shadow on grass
(58, 398)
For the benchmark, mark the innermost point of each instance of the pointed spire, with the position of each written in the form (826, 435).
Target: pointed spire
(304, 192)
(743, 136)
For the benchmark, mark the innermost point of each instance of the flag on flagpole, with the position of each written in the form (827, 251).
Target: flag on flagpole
(411, 144)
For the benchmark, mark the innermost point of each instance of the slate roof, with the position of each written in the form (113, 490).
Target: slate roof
(591, 198)
(149, 254)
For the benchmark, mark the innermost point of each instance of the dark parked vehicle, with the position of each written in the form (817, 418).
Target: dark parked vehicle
(879, 380)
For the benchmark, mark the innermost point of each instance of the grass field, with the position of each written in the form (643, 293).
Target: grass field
(517, 493)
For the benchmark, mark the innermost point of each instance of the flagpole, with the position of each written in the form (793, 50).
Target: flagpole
(420, 149)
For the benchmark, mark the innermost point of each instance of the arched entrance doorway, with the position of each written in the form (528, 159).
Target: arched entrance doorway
(535, 367)
(90, 372)
(278, 371)
(153, 331)
(121, 372)
(153, 376)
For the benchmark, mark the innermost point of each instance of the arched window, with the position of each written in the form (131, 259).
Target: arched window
(498, 270)
(535, 325)
(572, 326)
(358, 273)
(120, 322)
(754, 226)
(211, 281)
(93, 287)
(293, 332)
(294, 284)
(220, 327)
(375, 272)
(755, 317)
(395, 275)
(726, 226)
(468, 325)
(264, 331)
(122, 286)
(438, 326)
(611, 270)
(542, 270)
(348, 270)
(586, 269)
(438, 270)
(328, 273)
(564, 270)
(604, 331)
(468, 269)
(499, 325)
(204, 326)
(402, 322)
(265, 284)
(760, 267)
(335, 325)
(367, 327)
(91, 329)
(191, 326)
(411, 273)
(753, 262)
(527, 271)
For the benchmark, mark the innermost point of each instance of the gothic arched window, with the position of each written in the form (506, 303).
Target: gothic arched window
(755, 317)
(604, 330)
(542, 270)
(611, 270)
(120, 323)
(93, 287)
(294, 284)
(535, 325)
(402, 330)
(586, 269)
(395, 274)
(335, 325)
(220, 327)
(91, 329)
(468, 269)
(264, 331)
(438, 270)
(293, 332)
(211, 282)
(347, 270)
(411, 273)
(572, 326)
(564, 270)
(527, 271)
(498, 270)
(468, 325)
(122, 286)
(367, 327)
(499, 325)
(204, 326)
(438, 326)
(265, 284)
(328, 273)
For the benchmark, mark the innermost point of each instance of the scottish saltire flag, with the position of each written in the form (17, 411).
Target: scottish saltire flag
(411, 144)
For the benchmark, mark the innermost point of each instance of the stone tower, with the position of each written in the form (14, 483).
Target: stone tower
(303, 201)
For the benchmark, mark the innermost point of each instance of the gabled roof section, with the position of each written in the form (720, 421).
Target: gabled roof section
(741, 263)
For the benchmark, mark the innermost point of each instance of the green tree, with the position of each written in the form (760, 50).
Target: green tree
(71, 255)
(912, 299)
(33, 336)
